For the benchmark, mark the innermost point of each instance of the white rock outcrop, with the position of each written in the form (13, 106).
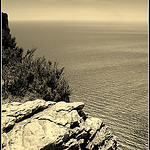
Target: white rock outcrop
(41, 125)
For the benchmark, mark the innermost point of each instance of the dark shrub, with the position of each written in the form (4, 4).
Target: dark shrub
(37, 76)
(25, 76)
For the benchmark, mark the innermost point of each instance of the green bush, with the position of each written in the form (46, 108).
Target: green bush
(25, 77)
(34, 76)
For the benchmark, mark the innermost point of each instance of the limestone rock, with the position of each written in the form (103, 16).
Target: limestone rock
(41, 125)
(15, 112)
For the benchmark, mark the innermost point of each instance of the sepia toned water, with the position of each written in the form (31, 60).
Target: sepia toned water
(106, 65)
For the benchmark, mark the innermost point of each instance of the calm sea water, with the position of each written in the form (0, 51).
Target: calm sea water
(106, 66)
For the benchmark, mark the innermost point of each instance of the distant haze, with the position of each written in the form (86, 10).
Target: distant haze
(91, 10)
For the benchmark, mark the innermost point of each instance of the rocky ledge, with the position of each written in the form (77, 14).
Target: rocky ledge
(41, 125)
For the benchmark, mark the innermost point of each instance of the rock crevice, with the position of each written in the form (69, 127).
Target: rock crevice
(52, 126)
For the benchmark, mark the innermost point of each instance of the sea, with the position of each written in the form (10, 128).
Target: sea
(106, 66)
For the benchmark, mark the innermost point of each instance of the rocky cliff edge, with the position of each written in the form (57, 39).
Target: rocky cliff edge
(41, 125)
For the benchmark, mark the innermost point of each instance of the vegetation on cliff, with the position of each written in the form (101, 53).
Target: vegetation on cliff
(25, 77)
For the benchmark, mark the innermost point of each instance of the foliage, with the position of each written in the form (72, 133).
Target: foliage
(24, 76)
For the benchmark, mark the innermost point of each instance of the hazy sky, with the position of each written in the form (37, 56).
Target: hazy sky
(100, 10)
